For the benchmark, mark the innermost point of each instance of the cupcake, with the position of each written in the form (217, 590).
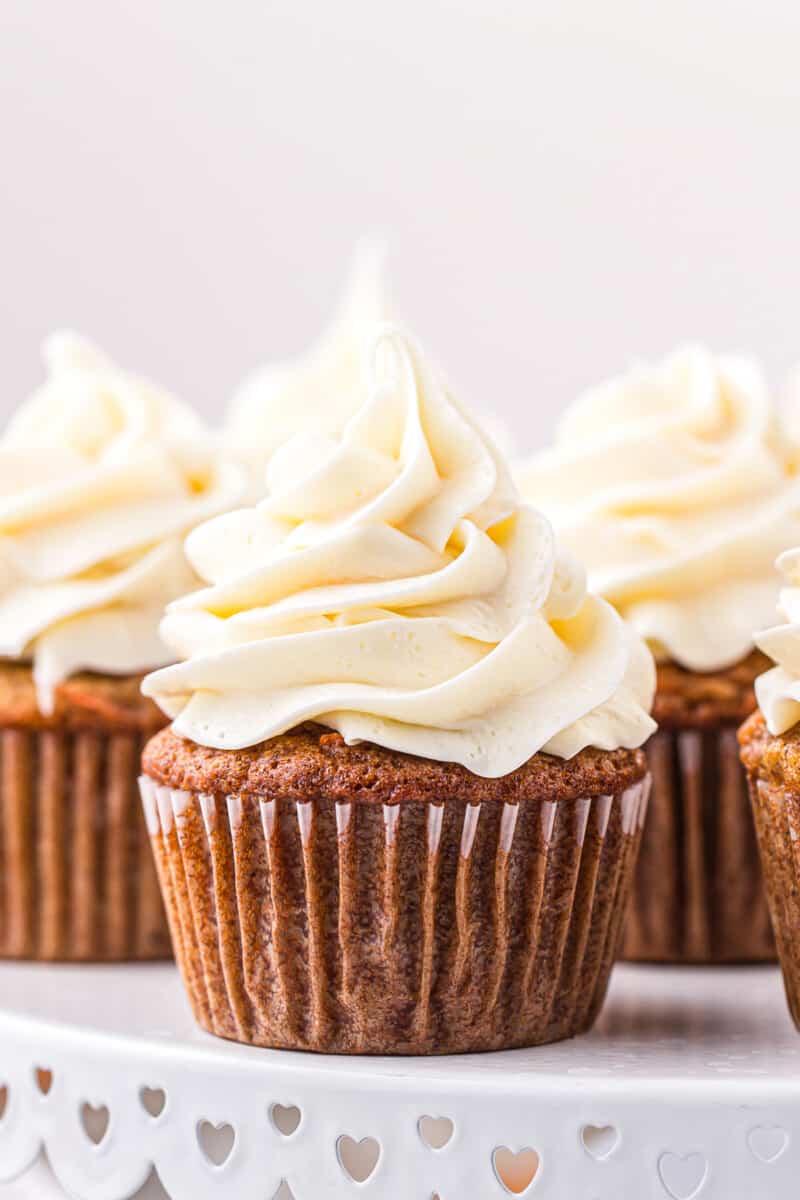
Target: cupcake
(101, 476)
(770, 748)
(400, 802)
(673, 485)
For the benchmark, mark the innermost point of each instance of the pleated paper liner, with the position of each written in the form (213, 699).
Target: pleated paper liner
(698, 894)
(777, 819)
(77, 881)
(410, 929)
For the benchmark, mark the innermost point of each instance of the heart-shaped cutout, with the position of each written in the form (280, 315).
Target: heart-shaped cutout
(358, 1160)
(600, 1141)
(517, 1171)
(95, 1119)
(44, 1079)
(682, 1175)
(216, 1141)
(435, 1132)
(3, 1100)
(767, 1142)
(286, 1118)
(153, 1100)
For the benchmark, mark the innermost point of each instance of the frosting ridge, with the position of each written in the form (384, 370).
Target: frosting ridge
(319, 389)
(392, 587)
(101, 476)
(675, 485)
(778, 690)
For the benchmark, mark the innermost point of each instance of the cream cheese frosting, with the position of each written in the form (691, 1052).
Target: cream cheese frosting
(391, 586)
(319, 390)
(674, 486)
(778, 690)
(101, 477)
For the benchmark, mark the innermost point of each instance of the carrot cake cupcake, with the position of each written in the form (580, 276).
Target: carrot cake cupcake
(400, 802)
(674, 486)
(101, 476)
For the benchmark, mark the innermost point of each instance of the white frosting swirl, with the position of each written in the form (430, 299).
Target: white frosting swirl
(778, 690)
(392, 587)
(101, 477)
(673, 486)
(320, 390)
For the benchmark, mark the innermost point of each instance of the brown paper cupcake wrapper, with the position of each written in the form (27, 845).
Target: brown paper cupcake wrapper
(698, 894)
(412, 929)
(76, 875)
(777, 819)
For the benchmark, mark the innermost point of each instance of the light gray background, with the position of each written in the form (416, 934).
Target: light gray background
(563, 185)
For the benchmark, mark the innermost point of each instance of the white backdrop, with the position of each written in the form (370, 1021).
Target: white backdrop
(563, 185)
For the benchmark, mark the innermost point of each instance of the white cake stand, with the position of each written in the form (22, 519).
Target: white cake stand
(689, 1088)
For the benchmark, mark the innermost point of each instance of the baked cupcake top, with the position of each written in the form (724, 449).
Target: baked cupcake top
(778, 690)
(672, 483)
(392, 587)
(317, 391)
(101, 476)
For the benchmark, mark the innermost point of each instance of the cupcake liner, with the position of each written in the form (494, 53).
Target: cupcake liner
(698, 894)
(409, 929)
(77, 881)
(777, 820)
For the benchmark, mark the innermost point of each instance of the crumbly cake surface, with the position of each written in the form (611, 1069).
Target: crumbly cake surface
(773, 772)
(776, 760)
(312, 762)
(84, 701)
(692, 699)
